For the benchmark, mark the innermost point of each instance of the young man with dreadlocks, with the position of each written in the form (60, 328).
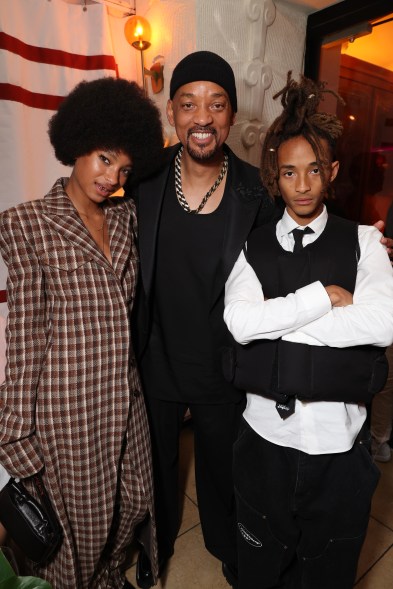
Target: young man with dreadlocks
(315, 317)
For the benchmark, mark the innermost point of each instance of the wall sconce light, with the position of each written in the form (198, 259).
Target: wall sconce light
(156, 73)
(137, 32)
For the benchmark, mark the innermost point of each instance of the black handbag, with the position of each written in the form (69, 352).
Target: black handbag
(31, 524)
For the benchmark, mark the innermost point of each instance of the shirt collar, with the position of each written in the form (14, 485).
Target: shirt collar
(287, 224)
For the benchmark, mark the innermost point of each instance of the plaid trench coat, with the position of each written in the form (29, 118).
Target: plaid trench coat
(71, 402)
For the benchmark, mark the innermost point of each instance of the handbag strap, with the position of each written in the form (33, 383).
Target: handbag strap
(43, 495)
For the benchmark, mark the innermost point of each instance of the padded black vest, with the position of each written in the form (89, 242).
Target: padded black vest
(279, 369)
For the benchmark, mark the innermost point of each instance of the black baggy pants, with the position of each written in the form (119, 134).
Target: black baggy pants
(302, 518)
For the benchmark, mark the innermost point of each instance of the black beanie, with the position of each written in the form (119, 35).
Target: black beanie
(205, 66)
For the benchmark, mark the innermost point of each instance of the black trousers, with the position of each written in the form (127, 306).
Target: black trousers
(215, 430)
(302, 519)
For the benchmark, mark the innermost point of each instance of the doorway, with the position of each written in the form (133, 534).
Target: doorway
(350, 46)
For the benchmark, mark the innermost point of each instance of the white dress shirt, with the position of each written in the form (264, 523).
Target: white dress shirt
(306, 316)
(4, 477)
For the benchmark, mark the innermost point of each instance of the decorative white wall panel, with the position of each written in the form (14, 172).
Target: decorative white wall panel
(285, 44)
(261, 39)
(236, 29)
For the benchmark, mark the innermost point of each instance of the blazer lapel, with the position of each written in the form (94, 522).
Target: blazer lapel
(121, 226)
(150, 199)
(244, 202)
(63, 217)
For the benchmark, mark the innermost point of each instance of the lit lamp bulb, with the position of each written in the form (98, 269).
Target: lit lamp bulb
(137, 32)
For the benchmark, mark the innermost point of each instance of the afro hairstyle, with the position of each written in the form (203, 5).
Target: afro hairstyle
(112, 114)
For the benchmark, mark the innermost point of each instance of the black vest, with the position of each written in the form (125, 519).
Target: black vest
(279, 369)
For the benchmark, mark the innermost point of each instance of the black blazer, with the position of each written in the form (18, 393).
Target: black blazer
(249, 205)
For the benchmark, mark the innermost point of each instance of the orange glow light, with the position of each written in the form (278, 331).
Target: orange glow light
(137, 31)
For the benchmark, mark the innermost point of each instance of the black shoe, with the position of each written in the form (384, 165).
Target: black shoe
(127, 585)
(144, 574)
(230, 573)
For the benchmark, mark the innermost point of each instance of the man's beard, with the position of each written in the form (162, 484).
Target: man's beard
(202, 154)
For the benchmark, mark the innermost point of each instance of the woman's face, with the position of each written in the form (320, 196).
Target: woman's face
(99, 174)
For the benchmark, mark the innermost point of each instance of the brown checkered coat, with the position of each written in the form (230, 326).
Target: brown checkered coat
(71, 399)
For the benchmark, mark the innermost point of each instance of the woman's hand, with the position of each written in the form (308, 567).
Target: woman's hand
(3, 534)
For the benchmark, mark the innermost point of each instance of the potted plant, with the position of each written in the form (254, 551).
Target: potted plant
(9, 579)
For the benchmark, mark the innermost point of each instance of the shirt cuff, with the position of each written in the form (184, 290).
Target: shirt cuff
(314, 296)
(4, 477)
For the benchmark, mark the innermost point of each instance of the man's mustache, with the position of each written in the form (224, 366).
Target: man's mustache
(201, 130)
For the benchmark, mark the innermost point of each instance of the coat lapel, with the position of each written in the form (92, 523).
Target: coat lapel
(61, 214)
(244, 201)
(121, 225)
(150, 199)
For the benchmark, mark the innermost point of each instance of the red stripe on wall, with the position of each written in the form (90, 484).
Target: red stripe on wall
(3, 296)
(34, 99)
(57, 57)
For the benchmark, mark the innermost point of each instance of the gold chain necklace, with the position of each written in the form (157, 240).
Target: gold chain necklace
(178, 186)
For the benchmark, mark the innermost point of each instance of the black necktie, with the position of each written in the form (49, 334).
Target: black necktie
(285, 409)
(298, 237)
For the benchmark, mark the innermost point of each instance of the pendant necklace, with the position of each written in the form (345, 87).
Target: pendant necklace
(178, 186)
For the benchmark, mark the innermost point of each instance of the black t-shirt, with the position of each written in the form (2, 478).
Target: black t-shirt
(178, 363)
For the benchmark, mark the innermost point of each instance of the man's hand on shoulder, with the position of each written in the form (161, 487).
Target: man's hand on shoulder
(386, 241)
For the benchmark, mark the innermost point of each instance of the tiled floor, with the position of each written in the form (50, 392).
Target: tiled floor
(193, 567)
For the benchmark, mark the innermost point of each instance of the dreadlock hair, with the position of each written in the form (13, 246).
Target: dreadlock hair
(299, 117)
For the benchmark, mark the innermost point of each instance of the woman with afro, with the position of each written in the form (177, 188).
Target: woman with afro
(71, 408)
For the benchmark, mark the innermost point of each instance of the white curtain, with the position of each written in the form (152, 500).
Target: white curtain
(46, 48)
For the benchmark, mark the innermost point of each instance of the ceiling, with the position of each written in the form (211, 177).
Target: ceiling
(309, 6)
(371, 48)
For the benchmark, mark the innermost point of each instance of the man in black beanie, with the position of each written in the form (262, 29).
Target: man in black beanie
(205, 65)
(194, 218)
